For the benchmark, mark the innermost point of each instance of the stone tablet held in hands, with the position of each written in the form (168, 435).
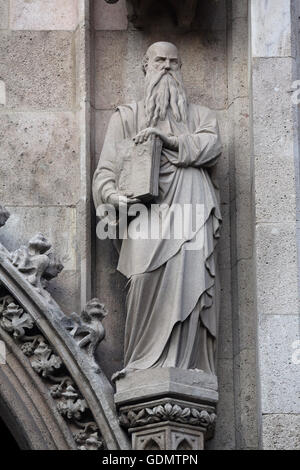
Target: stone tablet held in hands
(138, 173)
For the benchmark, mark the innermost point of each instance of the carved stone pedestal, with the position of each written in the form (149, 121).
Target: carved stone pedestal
(167, 436)
(167, 408)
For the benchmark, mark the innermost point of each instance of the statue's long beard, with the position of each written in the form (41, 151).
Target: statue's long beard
(163, 91)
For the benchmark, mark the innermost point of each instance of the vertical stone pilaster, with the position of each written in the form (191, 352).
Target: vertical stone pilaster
(273, 60)
(242, 239)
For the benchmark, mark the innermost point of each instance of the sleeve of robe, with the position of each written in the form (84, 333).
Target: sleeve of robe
(104, 181)
(201, 148)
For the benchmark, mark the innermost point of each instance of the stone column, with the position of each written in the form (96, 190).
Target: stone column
(167, 408)
(273, 61)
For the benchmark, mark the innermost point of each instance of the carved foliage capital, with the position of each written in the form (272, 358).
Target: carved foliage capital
(168, 412)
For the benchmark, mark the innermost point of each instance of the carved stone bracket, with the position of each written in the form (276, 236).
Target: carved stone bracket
(164, 410)
(167, 408)
(87, 329)
(168, 424)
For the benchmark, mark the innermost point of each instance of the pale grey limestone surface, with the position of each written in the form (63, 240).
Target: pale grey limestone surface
(45, 15)
(43, 147)
(281, 432)
(37, 69)
(143, 385)
(271, 26)
(278, 202)
(276, 269)
(273, 112)
(275, 141)
(279, 374)
(3, 14)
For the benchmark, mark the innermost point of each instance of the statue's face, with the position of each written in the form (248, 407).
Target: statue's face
(164, 56)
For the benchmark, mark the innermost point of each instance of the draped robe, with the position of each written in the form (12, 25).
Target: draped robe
(172, 300)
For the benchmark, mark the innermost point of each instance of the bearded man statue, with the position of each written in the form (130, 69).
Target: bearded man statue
(172, 300)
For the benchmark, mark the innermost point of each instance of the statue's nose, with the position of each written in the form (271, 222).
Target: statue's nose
(167, 65)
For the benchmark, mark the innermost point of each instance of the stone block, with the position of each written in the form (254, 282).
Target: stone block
(279, 374)
(278, 202)
(58, 224)
(4, 7)
(41, 160)
(142, 385)
(245, 321)
(221, 171)
(224, 437)
(43, 15)
(244, 219)
(225, 318)
(271, 28)
(273, 113)
(84, 77)
(276, 269)
(109, 78)
(241, 127)
(281, 432)
(37, 68)
(111, 17)
(245, 379)
(238, 68)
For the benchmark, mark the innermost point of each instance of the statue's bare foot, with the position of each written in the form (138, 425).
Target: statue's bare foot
(118, 375)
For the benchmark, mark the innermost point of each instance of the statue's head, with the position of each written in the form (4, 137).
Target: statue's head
(164, 88)
(162, 56)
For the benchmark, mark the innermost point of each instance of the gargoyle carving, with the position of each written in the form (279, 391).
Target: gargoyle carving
(87, 328)
(35, 263)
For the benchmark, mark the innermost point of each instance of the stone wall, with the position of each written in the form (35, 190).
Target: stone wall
(64, 67)
(241, 218)
(41, 133)
(274, 63)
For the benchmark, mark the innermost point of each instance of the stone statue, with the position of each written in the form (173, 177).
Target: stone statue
(172, 300)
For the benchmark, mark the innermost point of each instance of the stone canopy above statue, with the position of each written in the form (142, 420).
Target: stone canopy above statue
(139, 11)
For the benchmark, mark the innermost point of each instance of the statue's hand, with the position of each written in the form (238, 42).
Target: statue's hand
(169, 141)
(145, 134)
(121, 201)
